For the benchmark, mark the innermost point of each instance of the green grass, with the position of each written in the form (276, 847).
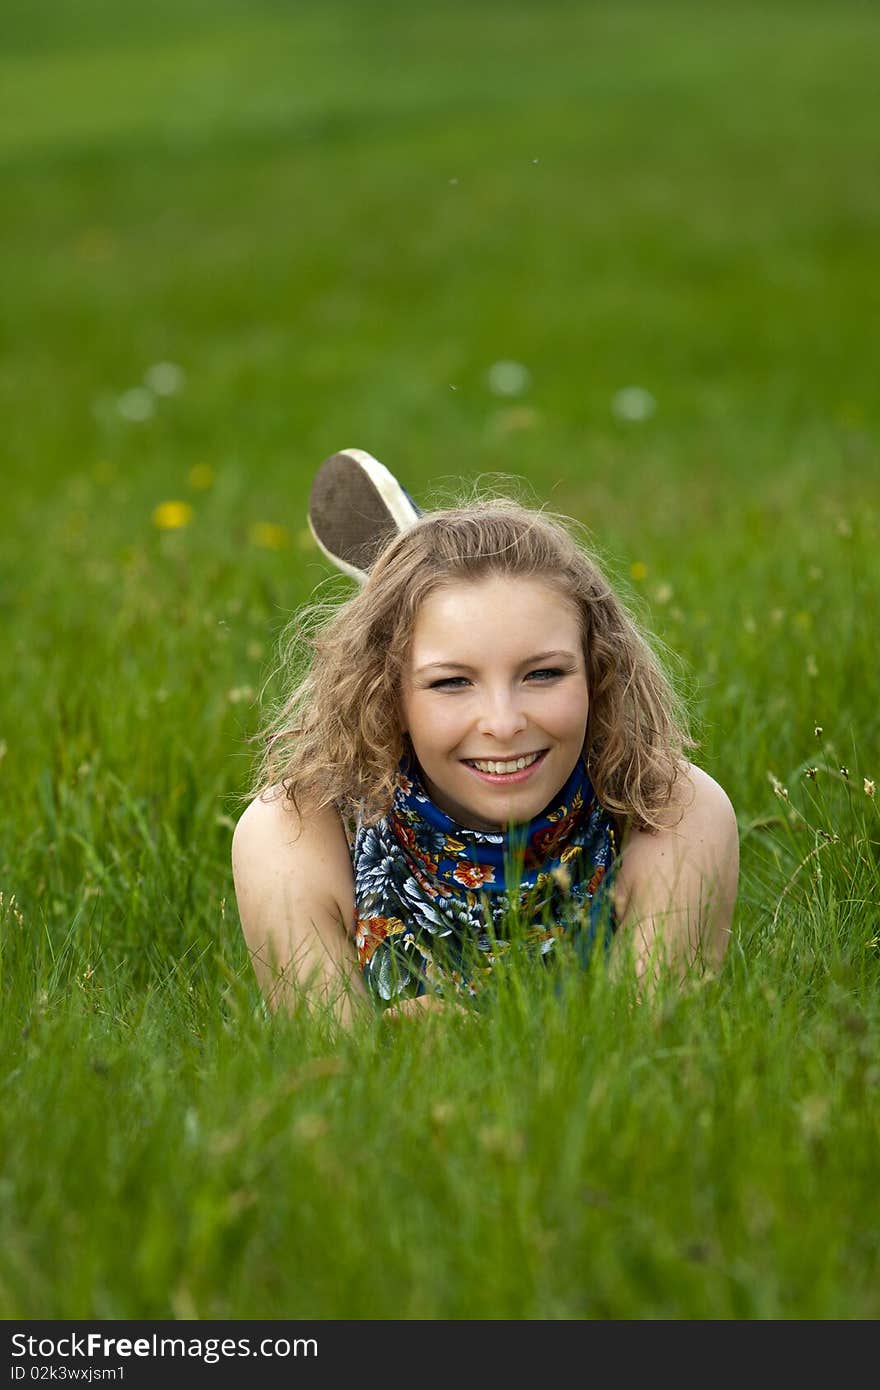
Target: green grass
(333, 219)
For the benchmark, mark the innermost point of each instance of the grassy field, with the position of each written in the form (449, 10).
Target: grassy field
(235, 238)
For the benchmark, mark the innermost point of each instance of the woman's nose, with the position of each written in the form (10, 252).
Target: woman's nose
(501, 716)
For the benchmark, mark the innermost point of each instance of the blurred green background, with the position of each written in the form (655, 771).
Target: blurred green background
(333, 219)
(239, 236)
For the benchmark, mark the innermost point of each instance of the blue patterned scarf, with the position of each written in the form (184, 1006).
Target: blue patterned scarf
(432, 896)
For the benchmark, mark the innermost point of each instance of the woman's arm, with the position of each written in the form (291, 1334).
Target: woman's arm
(295, 895)
(676, 889)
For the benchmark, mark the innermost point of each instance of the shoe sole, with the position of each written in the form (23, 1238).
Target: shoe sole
(355, 507)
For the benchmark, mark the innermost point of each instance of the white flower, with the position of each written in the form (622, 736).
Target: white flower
(165, 378)
(136, 404)
(508, 378)
(633, 403)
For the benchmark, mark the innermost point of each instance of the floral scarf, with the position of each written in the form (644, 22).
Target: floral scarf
(433, 897)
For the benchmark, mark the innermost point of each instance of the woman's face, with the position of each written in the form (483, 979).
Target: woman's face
(496, 671)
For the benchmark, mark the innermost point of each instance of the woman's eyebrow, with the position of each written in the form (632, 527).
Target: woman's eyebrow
(462, 666)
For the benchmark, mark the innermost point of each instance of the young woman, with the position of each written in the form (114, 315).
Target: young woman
(482, 735)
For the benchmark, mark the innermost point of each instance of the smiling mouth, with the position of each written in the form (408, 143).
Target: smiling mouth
(505, 766)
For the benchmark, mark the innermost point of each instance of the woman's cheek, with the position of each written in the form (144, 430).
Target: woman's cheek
(449, 721)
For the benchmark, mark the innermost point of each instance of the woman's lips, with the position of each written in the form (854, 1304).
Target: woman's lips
(507, 779)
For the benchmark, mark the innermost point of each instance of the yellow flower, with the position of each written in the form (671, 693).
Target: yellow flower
(200, 477)
(268, 535)
(638, 570)
(170, 516)
(869, 787)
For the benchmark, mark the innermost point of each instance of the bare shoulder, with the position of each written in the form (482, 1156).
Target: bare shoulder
(702, 804)
(306, 851)
(686, 873)
(699, 809)
(699, 837)
(272, 818)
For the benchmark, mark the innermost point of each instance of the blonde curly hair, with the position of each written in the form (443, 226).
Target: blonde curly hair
(337, 738)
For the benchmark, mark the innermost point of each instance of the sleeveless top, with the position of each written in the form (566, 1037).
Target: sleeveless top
(433, 898)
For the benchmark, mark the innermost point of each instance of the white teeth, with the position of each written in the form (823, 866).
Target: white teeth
(505, 767)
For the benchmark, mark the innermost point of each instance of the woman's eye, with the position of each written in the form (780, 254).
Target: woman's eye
(452, 683)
